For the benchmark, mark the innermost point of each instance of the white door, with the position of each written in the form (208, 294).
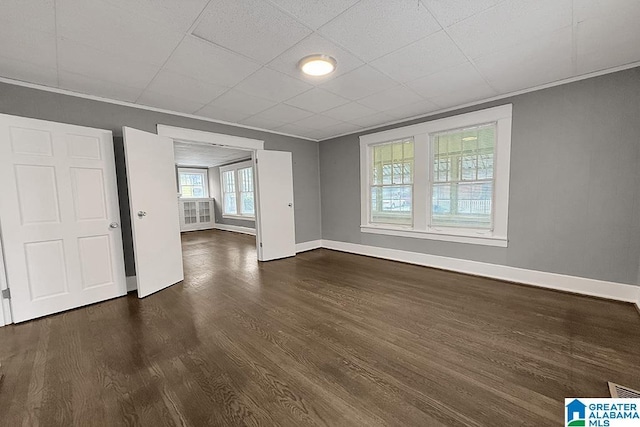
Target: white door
(59, 216)
(275, 223)
(153, 199)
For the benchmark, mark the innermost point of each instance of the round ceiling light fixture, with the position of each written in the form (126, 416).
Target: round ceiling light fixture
(317, 65)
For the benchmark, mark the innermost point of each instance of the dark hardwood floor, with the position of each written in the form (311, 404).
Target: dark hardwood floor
(325, 338)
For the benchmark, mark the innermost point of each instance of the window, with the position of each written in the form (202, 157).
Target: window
(237, 190)
(391, 182)
(193, 183)
(447, 179)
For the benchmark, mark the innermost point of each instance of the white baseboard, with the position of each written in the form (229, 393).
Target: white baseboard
(201, 228)
(236, 228)
(579, 285)
(132, 283)
(308, 246)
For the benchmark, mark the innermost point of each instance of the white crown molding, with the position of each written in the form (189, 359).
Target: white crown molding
(495, 98)
(142, 107)
(560, 282)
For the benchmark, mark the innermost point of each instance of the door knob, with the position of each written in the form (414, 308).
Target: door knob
(114, 225)
(141, 214)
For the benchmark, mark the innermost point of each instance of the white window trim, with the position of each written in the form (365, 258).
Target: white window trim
(502, 116)
(234, 167)
(202, 171)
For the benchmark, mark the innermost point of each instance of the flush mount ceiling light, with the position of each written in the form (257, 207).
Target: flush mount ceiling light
(317, 65)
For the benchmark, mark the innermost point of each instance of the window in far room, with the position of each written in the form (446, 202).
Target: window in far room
(237, 190)
(193, 183)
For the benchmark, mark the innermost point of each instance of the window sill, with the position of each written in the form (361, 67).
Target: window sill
(485, 239)
(245, 217)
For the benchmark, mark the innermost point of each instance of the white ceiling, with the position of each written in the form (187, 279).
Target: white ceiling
(204, 155)
(235, 60)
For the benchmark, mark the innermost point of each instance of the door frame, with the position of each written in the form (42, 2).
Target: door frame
(225, 141)
(5, 307)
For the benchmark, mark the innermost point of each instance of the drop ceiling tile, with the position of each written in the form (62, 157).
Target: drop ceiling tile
(510, 23)
(373, 120)
(359, 83)
(426, 56)
(272, 85)
(167, 102)
(207, 62)
(34, 47)
(607, 34)
(317, 100)
(179, 86)
(218, 113)
(456, 79)
(179, 15)
(254, 28)
(34, 14)
(80, 59)
(284, 113)
(340, 129)
(314, 13)
(460, 97)
(287, 62)
(349, 111)
(373, 28)
(412, 110)
(318, 121)
(293, 129)
(111, 29)
(538, 61)
(242, 103)
(262, 123)
(391, 98)
(96, 87)
(451, 11)
(28, 72)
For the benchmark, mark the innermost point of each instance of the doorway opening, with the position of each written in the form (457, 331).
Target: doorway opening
(216, 191)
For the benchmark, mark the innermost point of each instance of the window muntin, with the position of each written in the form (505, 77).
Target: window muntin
(193, 183)
(237, 190)
(391, 182)
(229, 193)
(245, 180)
(462, 178)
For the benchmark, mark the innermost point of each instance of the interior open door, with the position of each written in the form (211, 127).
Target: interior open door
(154, 210)
(275, 223)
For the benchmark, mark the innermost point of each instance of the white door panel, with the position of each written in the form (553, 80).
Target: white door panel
(276, 222)
(58, 202)
(154, 210)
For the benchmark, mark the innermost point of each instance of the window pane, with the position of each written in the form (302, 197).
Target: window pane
(230, 204)
(246, 204)
(245, 179)
(392, 179)
(192, 184)
(462, 177)
(392, 204)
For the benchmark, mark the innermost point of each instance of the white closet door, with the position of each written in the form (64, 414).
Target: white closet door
(155, 219)
(59, 216)
(276, 222)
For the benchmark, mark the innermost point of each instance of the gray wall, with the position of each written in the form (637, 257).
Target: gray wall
(215, 190)
(26, 102)
(574, 190)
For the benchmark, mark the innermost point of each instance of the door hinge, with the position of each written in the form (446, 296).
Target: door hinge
(260, 244)
(6, 293)
(256, 160)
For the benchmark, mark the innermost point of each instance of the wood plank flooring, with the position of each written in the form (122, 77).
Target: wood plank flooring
(325, 338)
